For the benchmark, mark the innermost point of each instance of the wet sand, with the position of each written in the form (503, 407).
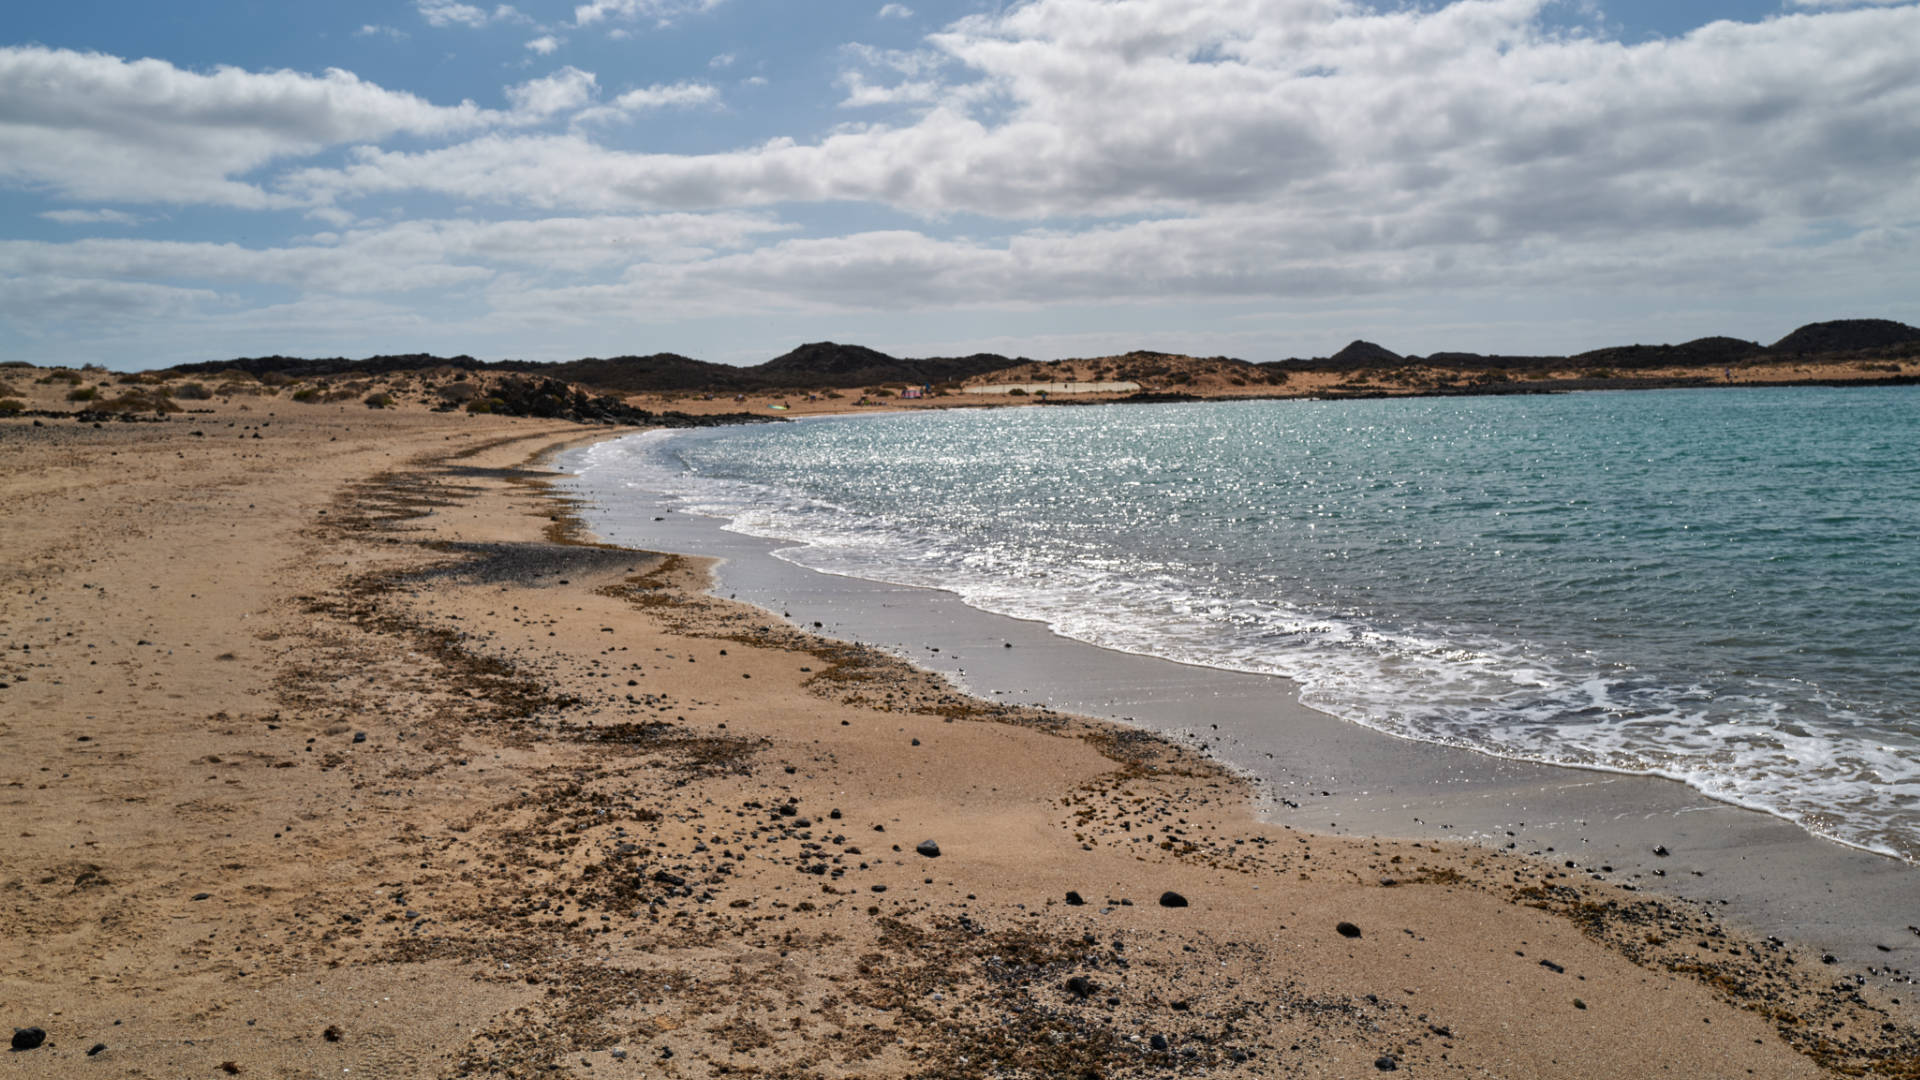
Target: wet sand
(347, 748)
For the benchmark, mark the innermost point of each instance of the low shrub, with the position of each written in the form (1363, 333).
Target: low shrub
(82, 393)
(71, 378)
(307, 394)
(12, 405)
(141, 399)
(193, 391)
(379, 401)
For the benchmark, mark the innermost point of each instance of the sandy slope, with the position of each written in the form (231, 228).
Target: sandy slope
(603, 825)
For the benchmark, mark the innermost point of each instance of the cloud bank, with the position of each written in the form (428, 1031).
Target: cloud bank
(1097, 151)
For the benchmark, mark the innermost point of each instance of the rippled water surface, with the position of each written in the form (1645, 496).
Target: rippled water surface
(1715, 586)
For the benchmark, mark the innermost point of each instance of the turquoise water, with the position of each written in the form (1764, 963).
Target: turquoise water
(1714, 586)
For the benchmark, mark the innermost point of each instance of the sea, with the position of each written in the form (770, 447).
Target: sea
(1720, 587)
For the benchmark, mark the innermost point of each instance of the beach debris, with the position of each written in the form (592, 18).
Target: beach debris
(618, 1053)
(201, 896)
(1074, 899)
(1172, 899)
(1347, 930)
(1385, 1063)
(928, 848)
(359, 736)
(1553, 967)
(28, 1038)
(1661, 850)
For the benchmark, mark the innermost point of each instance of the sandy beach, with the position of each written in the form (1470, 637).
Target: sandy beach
(334, 742)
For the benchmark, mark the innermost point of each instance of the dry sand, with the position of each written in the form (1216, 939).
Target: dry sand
(602, 824)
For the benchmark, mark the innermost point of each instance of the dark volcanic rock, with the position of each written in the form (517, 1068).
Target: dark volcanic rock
(1366, 354)
(1074, 899)
(1172, 899)
(28, 1038)
(1386, 1064)
(1348, 930)
(1081, 987)
(928, 848)
(1846, 335)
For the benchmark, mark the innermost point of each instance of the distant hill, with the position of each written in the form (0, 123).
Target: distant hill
(1367, 353)
(1846, 335)
(633, 374)
(303, 368)
(1707, 352)
(828, 365)
(820, 365)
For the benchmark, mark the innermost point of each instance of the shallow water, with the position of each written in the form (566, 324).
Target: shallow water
(1713, 586)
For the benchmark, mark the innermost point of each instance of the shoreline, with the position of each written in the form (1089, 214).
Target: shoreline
(1314, 770)
(360, 756)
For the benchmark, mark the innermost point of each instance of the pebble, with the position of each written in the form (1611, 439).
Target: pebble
(1074, 899)
(1386, 1064)
(1080, 986)
(1158, 1042)
(1172, 899)
(1348, 930)
(359, 736)
(619, 1053)
(96, 1049)
(28, 1038)
(202, 895)
(928, 848)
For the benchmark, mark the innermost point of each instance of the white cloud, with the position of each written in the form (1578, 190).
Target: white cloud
(545, 45)
(659, 11)
(44, 284)
(91, 126)
(376, 30)
(93, 217)
(895, 11)
(1132, 152)
(565, 90)
(37, 301)
(724, 60)
(677, 95)
(444, 13)
(1846, 3)
(916, 69)
(1472, 122)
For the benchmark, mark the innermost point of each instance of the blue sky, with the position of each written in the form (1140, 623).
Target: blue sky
(728, 178)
